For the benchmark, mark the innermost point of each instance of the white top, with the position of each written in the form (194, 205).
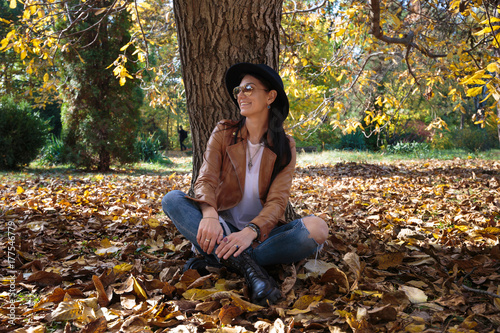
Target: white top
(249, 206)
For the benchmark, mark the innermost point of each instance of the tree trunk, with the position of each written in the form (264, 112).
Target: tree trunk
(212, 36)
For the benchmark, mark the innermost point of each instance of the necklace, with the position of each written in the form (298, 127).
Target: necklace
(250, 157)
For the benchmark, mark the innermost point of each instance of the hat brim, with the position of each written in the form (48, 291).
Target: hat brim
(234, 75)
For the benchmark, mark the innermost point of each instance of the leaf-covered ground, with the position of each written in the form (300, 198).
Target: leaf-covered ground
(413, 247)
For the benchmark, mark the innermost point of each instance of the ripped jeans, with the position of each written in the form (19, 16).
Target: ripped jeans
(286, 243)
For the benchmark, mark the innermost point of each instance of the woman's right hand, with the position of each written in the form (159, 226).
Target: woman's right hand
(209, 234)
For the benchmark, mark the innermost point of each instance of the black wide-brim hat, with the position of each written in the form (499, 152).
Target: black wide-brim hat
(235, 74)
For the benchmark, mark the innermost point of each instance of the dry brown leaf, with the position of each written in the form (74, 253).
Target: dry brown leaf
(102, 298)
(97, 326)
(44, 278)
(228, 313)
(335, 275)
(387, 260)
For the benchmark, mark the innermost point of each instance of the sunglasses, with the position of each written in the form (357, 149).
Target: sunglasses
(247, 90)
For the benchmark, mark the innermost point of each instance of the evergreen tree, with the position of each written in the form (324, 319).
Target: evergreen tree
(100, 114)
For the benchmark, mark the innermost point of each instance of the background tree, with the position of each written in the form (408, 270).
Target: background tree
(13, 79)
(101, 113)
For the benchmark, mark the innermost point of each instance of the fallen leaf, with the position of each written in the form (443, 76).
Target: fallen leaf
(387, 260)
(228, 313)
(415, 295)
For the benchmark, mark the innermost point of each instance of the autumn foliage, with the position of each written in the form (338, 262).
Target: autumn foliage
(413, 247)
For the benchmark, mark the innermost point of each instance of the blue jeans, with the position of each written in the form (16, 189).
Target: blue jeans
(286, 244)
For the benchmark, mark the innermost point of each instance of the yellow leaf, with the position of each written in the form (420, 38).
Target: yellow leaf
(125, 267)
(198, 294)
(19, 190)
(350, 12)
(139, 290)
(490, 230)
(13, 4)
(493, 67)
(46, 77)
(124, 47)
(303, 302)
(340, 32)
(152, 222)
(244, 305)
(474, 91)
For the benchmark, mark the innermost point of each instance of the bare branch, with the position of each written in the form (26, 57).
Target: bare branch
(306, 10)
(406, 40)
(365, 63)
(407, 55)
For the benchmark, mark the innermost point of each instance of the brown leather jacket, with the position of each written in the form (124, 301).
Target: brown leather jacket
(221, 179)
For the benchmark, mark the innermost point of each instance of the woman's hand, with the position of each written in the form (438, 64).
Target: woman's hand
(235, 243)
(209, 233)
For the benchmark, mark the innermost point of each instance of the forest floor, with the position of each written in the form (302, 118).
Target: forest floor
(413, 247)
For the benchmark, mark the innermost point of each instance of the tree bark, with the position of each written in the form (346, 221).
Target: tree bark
(212, 36)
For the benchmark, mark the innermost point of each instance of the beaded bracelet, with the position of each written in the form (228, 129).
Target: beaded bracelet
(255, 228)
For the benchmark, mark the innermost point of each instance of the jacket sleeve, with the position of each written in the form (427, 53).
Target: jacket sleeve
(209, 175)
(277, 197)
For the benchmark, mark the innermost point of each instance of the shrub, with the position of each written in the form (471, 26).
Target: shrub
(473, 139)
(353, 141)
(413, 131)
(53, 152)
(409, 148)
(442, 141)
(149, 148)
(22, 133)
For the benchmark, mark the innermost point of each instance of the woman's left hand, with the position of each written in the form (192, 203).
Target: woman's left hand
(235, 243)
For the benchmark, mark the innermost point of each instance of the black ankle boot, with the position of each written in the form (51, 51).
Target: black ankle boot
(201, 264)
(263, 286)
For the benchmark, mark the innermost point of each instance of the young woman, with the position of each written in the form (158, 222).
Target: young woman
(236, 217)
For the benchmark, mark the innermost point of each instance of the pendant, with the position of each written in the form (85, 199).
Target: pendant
(250, 165)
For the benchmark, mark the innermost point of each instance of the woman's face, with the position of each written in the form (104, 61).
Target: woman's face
(260, 97)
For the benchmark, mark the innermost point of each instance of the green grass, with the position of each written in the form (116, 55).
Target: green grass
(331, 157)
(183, 164)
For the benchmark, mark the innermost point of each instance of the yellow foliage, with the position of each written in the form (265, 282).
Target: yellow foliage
(474, 91)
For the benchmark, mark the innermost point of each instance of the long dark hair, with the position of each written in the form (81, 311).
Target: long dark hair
(279, 144)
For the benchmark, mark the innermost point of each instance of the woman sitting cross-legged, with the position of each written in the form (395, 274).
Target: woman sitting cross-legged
(236, 216)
